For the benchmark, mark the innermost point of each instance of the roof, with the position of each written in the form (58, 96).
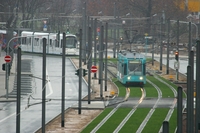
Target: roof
(132, 55)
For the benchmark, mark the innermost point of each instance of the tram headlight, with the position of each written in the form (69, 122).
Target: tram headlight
(141, 78)
(129, 77)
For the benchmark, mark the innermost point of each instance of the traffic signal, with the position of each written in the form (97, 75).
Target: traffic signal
(121, 39)
(67, 31)
(4, 67)
(77, 72)
(97, 38)
(85, 72)
(176, 55)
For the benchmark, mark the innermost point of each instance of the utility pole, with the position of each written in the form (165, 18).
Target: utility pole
(84, 34)
(80, 73)
(89, 60)
(44, 85)
(114, 48)
(161, 43)
(168, 32)
(18, 90)
(95, 45)
(190, 93)
(63, 82)
(106, 55)
(177, 41)
(197, 115)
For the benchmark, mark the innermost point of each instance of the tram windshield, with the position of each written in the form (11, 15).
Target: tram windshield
(135, 66)
(71, 42)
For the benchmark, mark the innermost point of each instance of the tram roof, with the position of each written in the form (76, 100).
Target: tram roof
(3, 32)
(132, 55)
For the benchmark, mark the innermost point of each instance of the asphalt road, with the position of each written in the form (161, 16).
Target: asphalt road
(31, 116)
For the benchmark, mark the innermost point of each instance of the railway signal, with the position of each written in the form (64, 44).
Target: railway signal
(85, 72)
(4, 67)
(121, 39)
(176, 55)
(77, 72)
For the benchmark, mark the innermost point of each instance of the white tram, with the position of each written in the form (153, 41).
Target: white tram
(54, 42)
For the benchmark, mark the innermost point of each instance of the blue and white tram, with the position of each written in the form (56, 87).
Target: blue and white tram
(131, 69)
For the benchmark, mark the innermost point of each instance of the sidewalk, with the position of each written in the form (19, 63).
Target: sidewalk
(11, 80)
(96, 101)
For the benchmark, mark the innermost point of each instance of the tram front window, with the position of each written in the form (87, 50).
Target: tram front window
(71, 42)
(135, 67)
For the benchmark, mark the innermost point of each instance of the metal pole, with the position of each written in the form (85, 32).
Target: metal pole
(179, 109)
(146, 46)
(190, 41)
(114, 52)
(153, 51)
(63, 81)
(101, 61)
(165, 127)
(95, 45)
(190, 93)
(161, 46)
(106, 55)
(100, 52)
(197, 111)
(177, 73)
(80, 73)
(168, 32)
(89, 61)
(118, 37)
(18, 89)
(7, 64)
(190, 103)
(44, 85)
(84, 34)
(87, 36)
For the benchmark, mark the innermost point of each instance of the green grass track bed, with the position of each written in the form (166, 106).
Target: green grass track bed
(114, 120)
(173, 122)
(135, 120)
(150, 90)
(156, 120)
(96, 121)
(166, 91)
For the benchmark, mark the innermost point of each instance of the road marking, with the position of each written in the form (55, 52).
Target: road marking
(49, 84)
(11, 115)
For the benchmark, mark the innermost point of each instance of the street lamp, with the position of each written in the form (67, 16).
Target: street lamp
(184, 22)
(18, 27)
(29, 21)
(131, 33)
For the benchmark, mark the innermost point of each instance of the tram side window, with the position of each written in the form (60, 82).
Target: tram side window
(125, 69)
(144, 69)
(61, 43)
(23, 40)
(50, 42)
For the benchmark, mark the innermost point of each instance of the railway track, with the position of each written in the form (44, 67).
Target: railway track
(134, 108)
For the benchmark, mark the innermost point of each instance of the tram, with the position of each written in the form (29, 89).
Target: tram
(131, 68)
(54, 41)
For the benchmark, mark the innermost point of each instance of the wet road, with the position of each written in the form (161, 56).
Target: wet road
(31, 116)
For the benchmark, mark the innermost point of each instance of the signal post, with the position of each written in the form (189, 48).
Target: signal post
(176, 64)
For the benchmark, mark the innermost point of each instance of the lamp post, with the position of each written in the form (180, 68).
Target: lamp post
(18, 27)
(131, 33)
(146, 38)
(29, 21)
(184, 22)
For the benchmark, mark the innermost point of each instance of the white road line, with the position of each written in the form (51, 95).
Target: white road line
(49, 84)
